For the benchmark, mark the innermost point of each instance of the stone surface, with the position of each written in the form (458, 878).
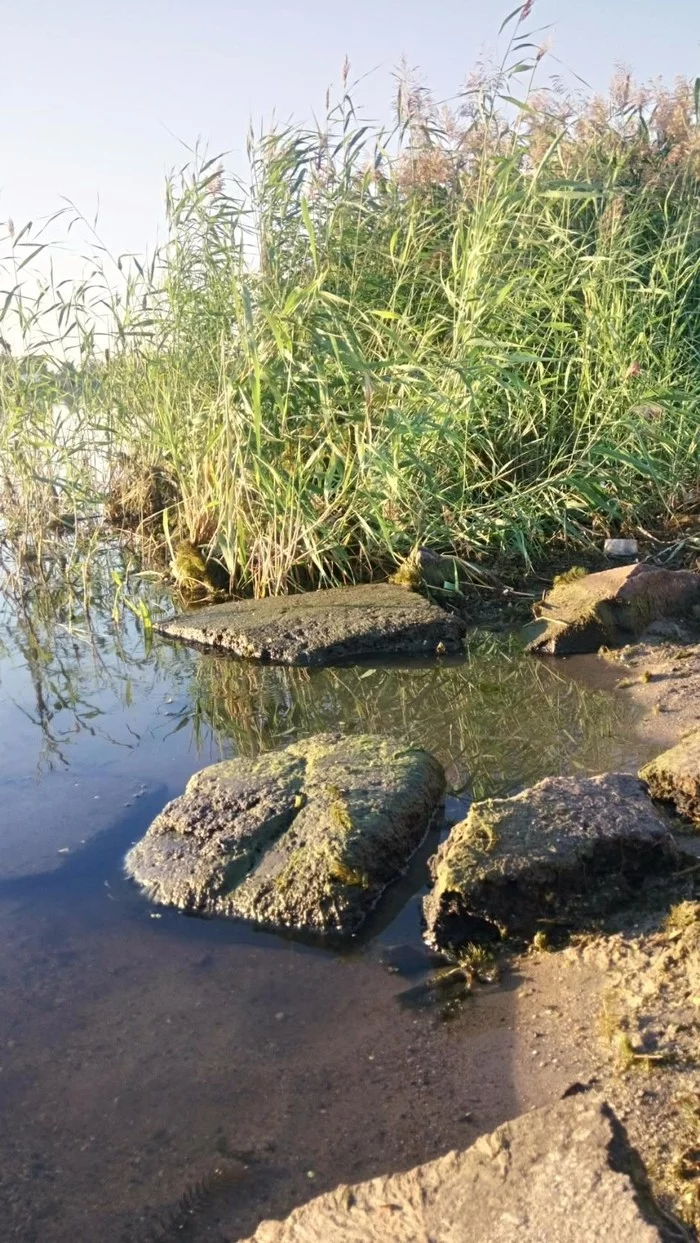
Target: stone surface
(562, 1174)
(323, 627)
(580, 614)
(567, 847)
(674, 777)
(307, 837)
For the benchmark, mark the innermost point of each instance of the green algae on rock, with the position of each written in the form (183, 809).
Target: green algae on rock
(566, 848)
(674, 777)
(323, 627)
(306, 838)
(582, 613)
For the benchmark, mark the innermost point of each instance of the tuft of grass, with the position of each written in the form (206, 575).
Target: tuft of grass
(570, 576)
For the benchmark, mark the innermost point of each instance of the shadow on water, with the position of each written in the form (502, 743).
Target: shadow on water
(167, 1077)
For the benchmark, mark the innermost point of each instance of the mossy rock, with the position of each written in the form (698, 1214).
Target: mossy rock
(585, 612)
(566, 849)
(323, 627)
(305, 838)
(674, 777)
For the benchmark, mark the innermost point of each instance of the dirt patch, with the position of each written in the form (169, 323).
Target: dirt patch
(648, 1005)
(661, 677)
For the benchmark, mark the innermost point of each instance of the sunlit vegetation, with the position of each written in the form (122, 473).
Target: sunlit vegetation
(477, 330)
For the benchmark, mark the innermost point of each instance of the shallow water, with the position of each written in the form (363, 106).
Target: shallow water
(167, 1077)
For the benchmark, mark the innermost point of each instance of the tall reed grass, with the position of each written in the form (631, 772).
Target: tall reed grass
(477, 330)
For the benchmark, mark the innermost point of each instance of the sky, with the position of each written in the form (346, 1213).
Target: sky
(100, 98)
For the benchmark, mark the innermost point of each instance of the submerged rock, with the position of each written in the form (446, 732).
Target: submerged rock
(305, 838)
(581, 613)
(323, 627)
(564, 1173)
(674, 777)
(568, 847)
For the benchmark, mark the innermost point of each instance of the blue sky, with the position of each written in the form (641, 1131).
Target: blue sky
(98, 96)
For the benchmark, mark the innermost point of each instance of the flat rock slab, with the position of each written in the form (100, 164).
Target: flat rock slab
(303, 838)
(562, 1174)
(568, 847)
(612, 607)
(323, 627)
(674, 777)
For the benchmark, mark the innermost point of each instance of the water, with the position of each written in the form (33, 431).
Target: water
(166, 1077)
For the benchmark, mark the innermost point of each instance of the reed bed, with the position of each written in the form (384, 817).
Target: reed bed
(476, 330)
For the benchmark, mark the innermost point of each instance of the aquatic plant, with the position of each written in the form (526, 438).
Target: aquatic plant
(474, 331)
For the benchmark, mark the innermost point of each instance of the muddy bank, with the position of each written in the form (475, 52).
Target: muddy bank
(645, 988)
(637, 972)
(660, 678)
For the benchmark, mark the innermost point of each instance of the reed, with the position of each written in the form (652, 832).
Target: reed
(477, 330)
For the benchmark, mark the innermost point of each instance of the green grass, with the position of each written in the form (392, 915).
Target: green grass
(477, 332)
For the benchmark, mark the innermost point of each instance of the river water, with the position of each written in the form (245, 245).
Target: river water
(163, 1077)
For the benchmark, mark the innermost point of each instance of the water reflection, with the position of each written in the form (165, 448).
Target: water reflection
(71, 665)
(78, 674)
(496, 720)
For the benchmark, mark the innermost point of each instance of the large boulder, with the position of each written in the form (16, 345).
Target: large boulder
(561, 1174)
(674, 777)
(568, 847)
(305, 838)
(582, 613)
(323, 627)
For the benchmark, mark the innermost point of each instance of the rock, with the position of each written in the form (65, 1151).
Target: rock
(580, 614)
(674, 777)
(561, 1174)
(568, 847)
(323, 627)
(306, 838)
